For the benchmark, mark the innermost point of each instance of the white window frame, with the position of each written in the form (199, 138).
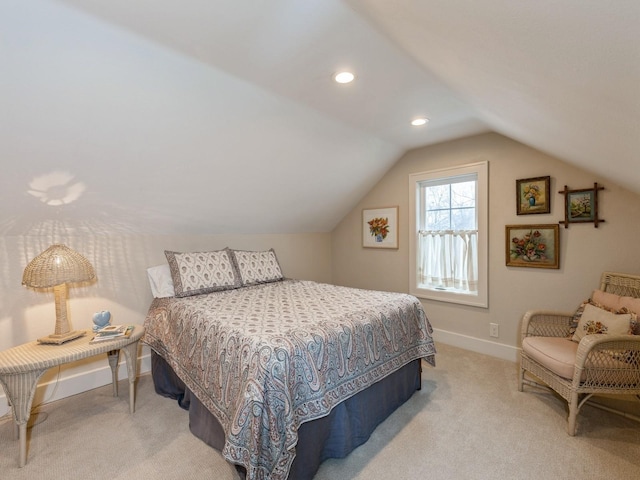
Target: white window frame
(481, 297)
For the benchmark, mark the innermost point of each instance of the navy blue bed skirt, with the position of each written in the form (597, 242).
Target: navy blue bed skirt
(349, 425)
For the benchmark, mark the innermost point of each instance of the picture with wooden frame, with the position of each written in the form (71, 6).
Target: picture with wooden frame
(536, 246)
(532, 195)
(581, 206)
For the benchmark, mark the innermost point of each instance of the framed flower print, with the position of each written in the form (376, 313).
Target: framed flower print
(532, 195)
(380, 227)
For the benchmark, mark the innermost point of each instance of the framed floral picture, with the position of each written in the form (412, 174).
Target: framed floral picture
(380, 227)
(536, 246)
(532, 195)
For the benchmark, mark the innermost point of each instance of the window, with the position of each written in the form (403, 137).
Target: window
(449, 232)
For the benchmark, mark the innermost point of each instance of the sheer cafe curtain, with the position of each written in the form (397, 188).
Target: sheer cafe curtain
(449, 259)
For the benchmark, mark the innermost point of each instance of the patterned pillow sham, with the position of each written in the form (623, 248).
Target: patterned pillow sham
(195, 273)
(257, 267)
(635, 325)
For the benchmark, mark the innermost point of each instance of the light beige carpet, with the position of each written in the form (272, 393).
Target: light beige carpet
(468, 422)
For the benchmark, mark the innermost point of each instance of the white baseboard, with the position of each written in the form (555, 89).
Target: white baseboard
(81, 382)
(494, 349)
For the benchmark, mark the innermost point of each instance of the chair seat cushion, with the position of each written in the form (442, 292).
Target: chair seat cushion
(558, 354)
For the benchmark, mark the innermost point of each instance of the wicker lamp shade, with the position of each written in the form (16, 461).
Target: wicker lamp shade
(55, 267)
(58, 264)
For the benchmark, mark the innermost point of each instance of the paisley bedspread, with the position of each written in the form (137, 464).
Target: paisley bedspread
(265, 359)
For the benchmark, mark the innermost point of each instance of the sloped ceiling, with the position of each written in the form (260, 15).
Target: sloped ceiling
(199, 116)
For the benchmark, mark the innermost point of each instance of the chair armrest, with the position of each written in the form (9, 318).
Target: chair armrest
(546, 323)
(608, 359)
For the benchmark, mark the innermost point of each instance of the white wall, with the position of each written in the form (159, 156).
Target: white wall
(122, 288)
(585, 251)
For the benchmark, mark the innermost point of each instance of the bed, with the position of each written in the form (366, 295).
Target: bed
(280, 374)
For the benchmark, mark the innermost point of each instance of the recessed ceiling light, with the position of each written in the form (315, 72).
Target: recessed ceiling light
(344, 77)
(416, 122)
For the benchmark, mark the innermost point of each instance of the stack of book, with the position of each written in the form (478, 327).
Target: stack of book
(111, 332)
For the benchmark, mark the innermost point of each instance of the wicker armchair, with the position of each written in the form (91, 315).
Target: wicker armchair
(602, 363)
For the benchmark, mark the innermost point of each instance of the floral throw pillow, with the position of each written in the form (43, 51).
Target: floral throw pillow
(597, 320)
(576, 317)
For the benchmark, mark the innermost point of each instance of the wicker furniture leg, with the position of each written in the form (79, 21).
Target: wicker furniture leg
(20, 389)
(520, 378)
(114, 356)
(131, 356)
(573, 413)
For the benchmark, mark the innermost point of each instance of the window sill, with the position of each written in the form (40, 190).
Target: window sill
(452, 296)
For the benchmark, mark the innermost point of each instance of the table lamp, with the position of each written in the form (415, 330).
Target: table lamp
(57, 266)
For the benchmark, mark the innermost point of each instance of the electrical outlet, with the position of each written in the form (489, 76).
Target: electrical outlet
(494, 330)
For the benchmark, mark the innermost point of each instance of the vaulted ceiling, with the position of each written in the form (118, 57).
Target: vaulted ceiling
(200, 116)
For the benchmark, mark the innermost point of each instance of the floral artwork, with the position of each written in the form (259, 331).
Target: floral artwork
(380, 228)
(529, 247)
(532, 246)
(533, 195)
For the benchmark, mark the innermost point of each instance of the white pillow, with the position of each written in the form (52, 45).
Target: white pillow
(160, 281)
(597, 320)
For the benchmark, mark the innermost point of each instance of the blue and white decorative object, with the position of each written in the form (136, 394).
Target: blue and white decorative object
(101, 319)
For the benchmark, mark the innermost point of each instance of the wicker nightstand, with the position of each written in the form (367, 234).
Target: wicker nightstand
(22, 366)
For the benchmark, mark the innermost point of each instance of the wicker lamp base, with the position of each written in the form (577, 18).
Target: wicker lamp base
(61, 338)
